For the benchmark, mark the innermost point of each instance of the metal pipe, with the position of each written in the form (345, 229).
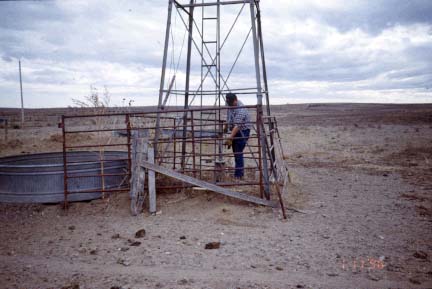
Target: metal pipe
(188, 68)
(259, 101)
(97, 146)
(193, 144)
(260, 158)
(213, 91)
(65, 183)
(264, 71)
(128, 126)
(99, 190)
(215, 3)
(92, 162)
(97, 175)
(162, 83)
(155, 112)
(22, 98)
(175, 143)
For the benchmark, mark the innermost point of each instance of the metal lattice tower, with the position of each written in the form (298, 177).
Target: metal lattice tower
(203, 78)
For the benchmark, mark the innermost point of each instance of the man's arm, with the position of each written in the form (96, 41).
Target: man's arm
(235, 130)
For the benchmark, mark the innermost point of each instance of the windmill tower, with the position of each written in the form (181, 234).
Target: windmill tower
(213, 47)
(201, 21)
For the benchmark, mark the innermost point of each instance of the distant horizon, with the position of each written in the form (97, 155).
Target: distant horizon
(276, 104)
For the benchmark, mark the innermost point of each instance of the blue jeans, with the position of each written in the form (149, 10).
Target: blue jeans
(238, 145)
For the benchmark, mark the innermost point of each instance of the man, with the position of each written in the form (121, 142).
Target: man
(239, 124)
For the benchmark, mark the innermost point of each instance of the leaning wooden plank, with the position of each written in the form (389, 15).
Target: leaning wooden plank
(152, 182)
(208, 186)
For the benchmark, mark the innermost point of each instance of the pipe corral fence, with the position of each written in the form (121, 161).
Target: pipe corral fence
(189, 141)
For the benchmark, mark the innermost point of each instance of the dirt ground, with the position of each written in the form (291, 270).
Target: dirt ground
(360, 215)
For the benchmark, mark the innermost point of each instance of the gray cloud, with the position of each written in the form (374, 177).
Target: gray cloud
(314, 49)
(370, 16)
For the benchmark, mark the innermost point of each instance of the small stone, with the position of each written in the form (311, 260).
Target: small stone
(115, 236)
(332, 274)
(299, 286)
(93, 252)
(182, 237)
(72, 228)
(123, 262)
(140, 233)
(135, 244)
(414, 281)
(71, 286)
(420, 255)
(279, 268)
(373, 277)
(394, 268)
(212, 245)
(182, 281)
(123, 249)
(224, 210)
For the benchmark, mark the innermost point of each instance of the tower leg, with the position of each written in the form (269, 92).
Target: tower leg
(262, 139)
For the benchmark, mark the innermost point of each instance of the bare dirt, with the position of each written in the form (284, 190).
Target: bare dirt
(360, 215)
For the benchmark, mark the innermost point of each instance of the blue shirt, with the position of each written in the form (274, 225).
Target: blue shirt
(239, 117)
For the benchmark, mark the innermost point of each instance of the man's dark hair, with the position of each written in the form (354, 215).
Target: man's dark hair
(230, 98)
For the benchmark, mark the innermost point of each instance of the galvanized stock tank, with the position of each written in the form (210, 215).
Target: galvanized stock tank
(39, 178)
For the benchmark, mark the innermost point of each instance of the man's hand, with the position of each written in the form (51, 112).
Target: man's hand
(225, 128)
(228, 143)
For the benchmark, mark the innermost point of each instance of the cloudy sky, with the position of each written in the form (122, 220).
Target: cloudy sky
(316, 51)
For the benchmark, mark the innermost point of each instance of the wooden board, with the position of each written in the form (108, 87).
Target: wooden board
(207, 185)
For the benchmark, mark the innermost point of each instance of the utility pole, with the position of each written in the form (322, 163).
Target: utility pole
(22, 99)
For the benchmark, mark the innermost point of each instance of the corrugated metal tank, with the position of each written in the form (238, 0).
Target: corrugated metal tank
(38, 178)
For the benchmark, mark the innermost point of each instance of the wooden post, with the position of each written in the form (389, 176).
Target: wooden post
(152, 182)
(137, 194)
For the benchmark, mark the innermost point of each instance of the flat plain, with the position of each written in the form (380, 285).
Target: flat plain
(359, 214)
